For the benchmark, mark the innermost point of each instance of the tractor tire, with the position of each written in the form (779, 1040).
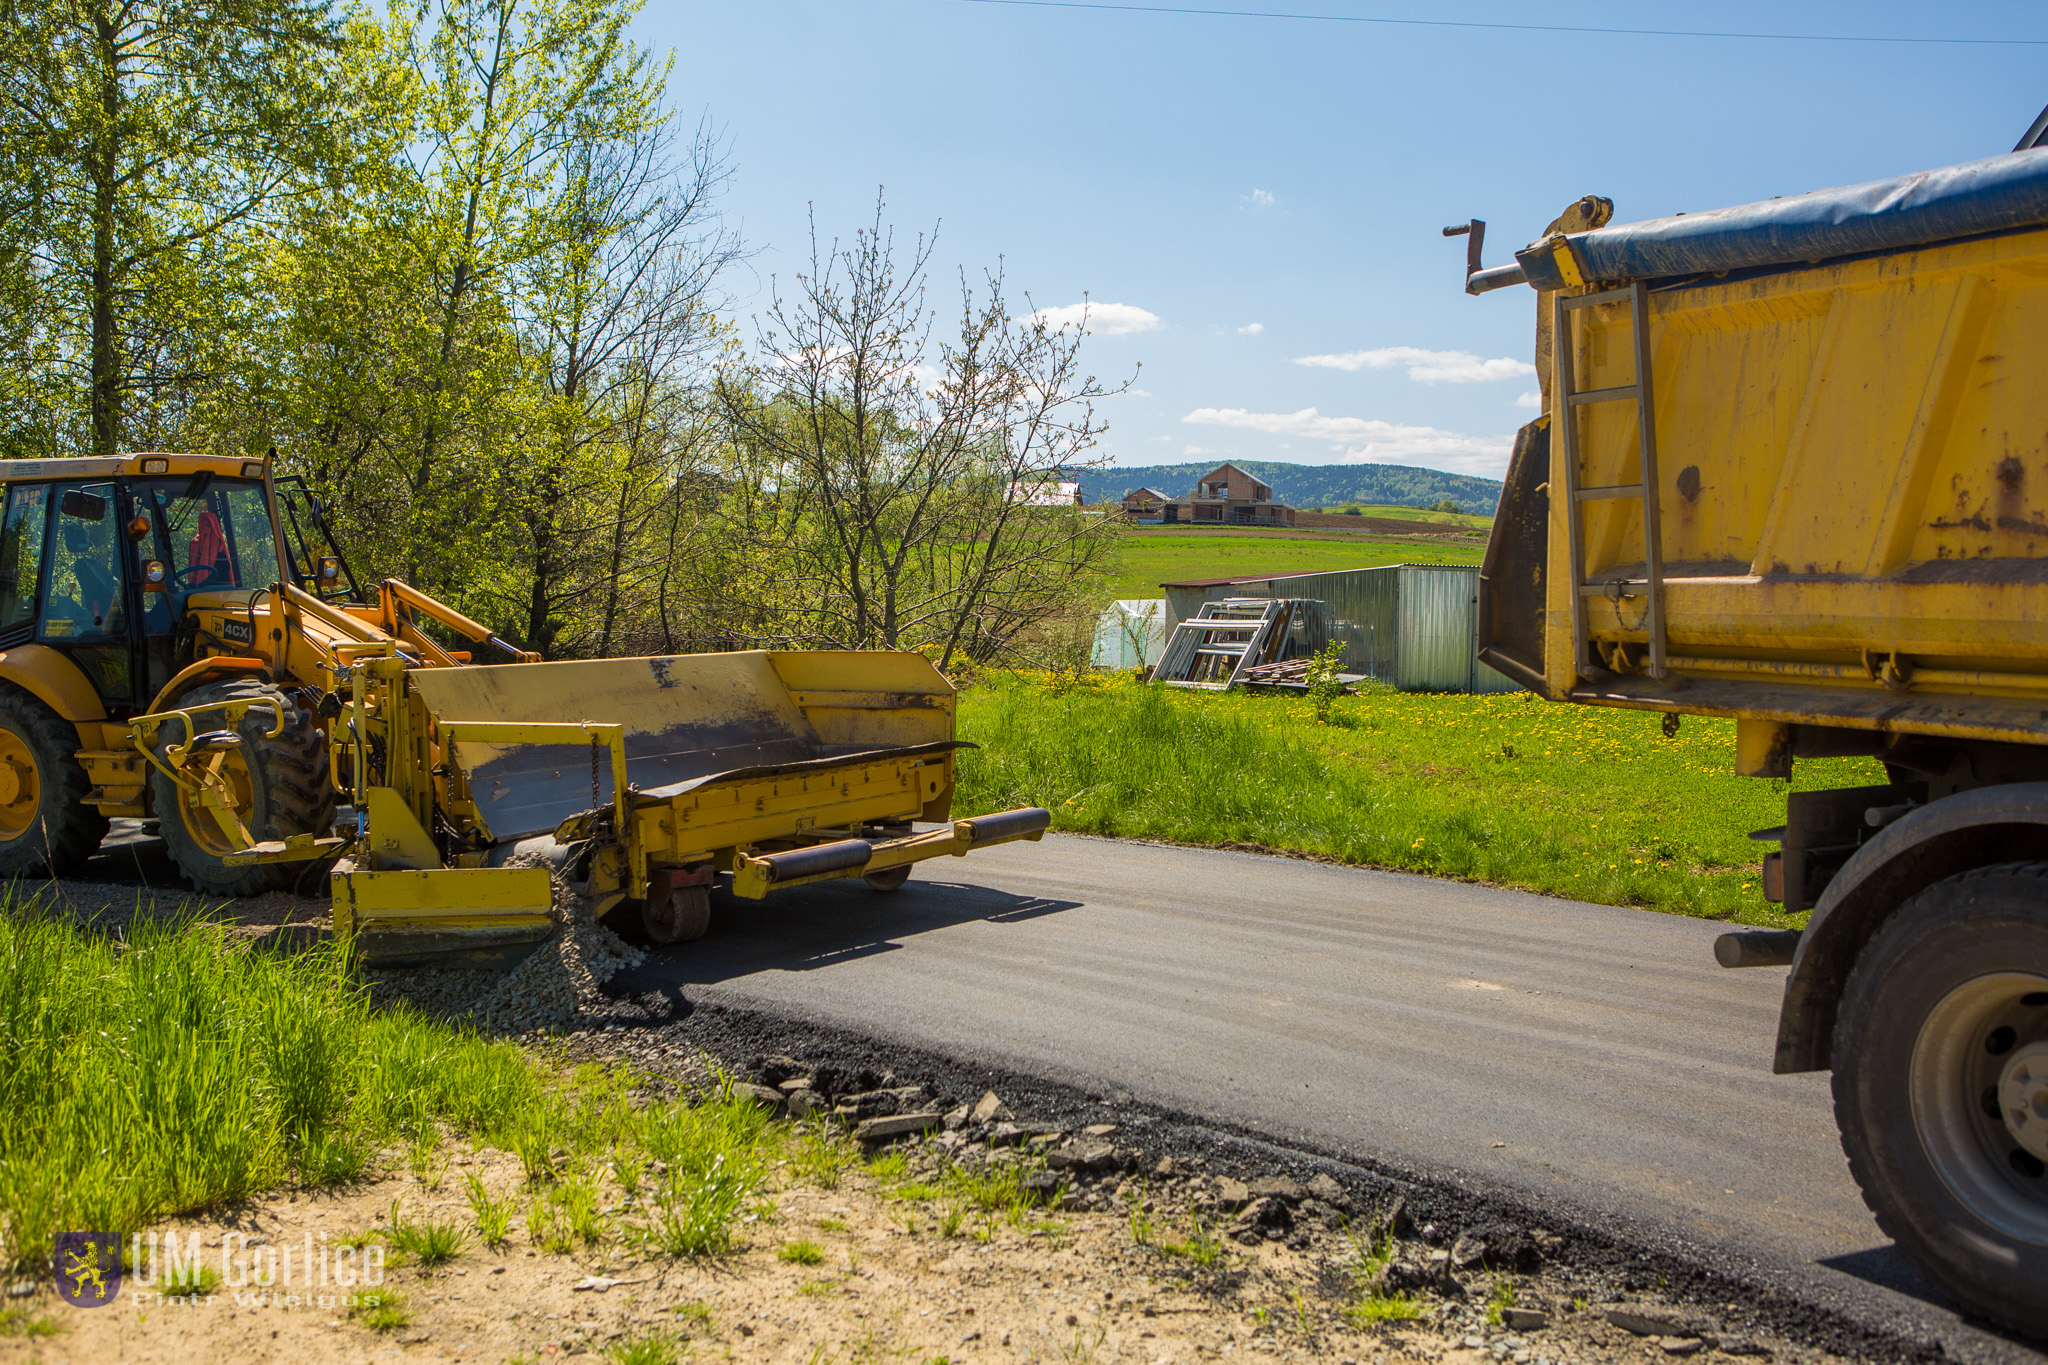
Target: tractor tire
(681, 916)
(888, 879)
(1941, 1086)
(45, 825)
(281, 786)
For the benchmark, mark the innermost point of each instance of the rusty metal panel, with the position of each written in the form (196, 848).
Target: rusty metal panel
(1853, 478)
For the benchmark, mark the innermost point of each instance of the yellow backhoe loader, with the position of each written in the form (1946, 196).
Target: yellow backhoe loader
(181, 638)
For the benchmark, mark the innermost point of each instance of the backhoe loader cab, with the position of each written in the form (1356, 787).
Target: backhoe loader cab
(132, 587)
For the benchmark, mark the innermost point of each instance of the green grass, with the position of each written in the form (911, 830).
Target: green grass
(429, 1241)
(20, 1322)
(1371, 1305)
(1465, 520)
(182, 1071)
(493, 1215)
(1502, 1298)
(1151, 557)
(1588, 802)
(381, 1310)
(714, 1158)
(189, 1282)
(801, 1253)
(658, 1349)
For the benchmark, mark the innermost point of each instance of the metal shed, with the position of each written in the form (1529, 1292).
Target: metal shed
(1413, 625)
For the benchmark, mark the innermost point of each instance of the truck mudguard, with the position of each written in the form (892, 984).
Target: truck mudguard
(1972, 829)
(1997, 194)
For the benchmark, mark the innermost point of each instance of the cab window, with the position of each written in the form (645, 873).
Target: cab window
(21, 552)
(212, 534)
(84, 598)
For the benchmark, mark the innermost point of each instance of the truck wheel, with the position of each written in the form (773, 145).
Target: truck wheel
(1941, 1086)
(682, 916)
(45, 824)
(280, 787)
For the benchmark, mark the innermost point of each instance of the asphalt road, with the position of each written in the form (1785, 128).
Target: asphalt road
(1588, 1056)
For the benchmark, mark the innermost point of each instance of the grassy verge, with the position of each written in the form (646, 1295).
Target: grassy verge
(1587, 802)
(178, 1070)
(181, 1071)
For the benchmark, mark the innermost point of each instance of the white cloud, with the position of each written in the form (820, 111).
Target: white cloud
(1101, 319)
(1370, 441)
(1138, 393)
(1532, 399)
(1160, 438)
(1424, 367)
(1251, 329)
(1258, 199)
(1196, 450)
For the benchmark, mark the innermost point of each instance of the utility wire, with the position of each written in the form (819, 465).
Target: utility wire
(1509, 28)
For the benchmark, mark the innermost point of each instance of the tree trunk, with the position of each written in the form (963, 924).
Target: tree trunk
(106, 164)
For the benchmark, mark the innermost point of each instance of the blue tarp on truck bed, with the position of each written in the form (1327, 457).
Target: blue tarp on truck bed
(1997, 194)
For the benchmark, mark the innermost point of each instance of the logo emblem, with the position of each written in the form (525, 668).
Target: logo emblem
(88, 1268)
(237, 632)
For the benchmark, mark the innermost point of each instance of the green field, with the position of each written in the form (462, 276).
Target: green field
(1587, 802)
(1392, 513)
(1149, 558)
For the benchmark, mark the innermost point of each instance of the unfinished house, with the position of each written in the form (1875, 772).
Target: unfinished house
(1228, 496)
(1145, 504)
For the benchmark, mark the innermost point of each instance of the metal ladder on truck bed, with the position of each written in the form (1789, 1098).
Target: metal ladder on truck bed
(1569, 399)
(1223, 637)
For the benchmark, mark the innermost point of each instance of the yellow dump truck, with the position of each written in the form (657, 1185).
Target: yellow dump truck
(181, 639)
(1792, 469)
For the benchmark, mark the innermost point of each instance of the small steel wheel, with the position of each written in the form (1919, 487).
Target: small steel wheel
(889, 878)
(681, 916)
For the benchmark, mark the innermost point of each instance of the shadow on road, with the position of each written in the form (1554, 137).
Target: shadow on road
(817, 926)
(1887, 1267)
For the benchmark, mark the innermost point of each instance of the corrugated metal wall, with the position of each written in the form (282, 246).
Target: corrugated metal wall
(1438, 628)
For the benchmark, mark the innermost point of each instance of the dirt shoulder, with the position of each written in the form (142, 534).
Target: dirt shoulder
(866, 1270)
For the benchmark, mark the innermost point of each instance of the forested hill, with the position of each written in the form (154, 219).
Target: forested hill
(1306, 485)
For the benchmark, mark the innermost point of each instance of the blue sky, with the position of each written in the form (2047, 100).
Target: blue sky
(1240, 195)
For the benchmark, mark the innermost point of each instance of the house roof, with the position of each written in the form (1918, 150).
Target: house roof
(1152, 493)
(1245, 473)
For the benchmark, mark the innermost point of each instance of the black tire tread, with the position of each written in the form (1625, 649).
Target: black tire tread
(293, 768)
(1856, 1005)
(69, 831)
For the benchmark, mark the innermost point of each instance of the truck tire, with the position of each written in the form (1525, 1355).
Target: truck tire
(1941, 1086)
(45, 825)
(281, 785)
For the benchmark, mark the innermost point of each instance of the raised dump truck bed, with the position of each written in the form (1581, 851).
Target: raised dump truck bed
(1850, 491)
(1793, 468)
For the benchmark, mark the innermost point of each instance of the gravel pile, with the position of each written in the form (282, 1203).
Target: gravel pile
(556, 988)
